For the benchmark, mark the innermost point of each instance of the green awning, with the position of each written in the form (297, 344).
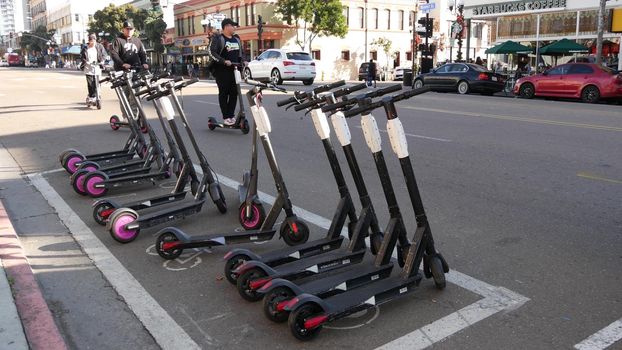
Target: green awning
(563, 47)
(509, 47)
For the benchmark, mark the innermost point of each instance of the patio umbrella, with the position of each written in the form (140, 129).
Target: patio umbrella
(509, 47)
(563, 47)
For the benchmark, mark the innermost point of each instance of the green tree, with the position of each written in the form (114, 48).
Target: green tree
(319, 18)
(384, 44)
(110, 20)
(154, 29)
(36, 40)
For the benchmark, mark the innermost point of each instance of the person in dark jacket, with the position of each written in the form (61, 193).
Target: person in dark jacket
(371, 73)
(91, 55)
(128, 52)
(226, 49)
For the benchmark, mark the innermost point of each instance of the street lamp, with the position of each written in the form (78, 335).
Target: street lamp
(457, 27)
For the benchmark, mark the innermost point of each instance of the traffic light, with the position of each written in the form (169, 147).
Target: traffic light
(259, 25)
(11, 35)
(429, 27)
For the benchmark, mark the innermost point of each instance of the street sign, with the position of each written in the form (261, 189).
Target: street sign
(426, 8)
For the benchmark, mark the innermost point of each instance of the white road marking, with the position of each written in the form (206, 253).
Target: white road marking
(155, 319)
(417, 136)
(603, 338)
(207, 103)
(495, 299)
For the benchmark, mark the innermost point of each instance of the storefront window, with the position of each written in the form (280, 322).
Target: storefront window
(558, 24)
(589, 22)
(517, 26)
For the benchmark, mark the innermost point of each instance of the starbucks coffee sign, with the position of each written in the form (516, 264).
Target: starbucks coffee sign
(517, 6)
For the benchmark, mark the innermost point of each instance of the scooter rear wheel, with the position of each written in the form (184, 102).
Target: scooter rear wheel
(163, 250)
(294, 232)
(90, 182)
(272, 299)
(299, 317)
(233, 263)
(256, 219)
(102, 211)
(71, 160)
(243, 284)
(88, 165)
(77, 181)
(64, 153)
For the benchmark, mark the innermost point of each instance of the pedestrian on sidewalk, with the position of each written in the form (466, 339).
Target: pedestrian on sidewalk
(226, 49)
(128, 52)
(91, 55)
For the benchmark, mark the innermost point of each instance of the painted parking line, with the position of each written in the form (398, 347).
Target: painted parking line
(514, 118)
(603, 338)
(207, 103)
(157, 321)
(590, 176)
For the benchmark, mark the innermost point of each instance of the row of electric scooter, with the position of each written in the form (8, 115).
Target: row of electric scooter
(307, 283)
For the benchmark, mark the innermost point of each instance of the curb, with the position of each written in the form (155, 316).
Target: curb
(41, 331)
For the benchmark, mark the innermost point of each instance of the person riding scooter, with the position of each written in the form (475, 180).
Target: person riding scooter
(91, 55)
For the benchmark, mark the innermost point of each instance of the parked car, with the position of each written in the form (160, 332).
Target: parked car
(278, 65)
(587, 81)
(363, 71)
(398, 73)
(4, 63)
(461, 77)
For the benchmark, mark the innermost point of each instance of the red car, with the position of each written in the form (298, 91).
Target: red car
(587, 81)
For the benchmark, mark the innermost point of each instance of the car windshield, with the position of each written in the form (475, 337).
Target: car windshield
(477, 68)
(299, 56)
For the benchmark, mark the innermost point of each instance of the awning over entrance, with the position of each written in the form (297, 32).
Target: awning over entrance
(563, 47)
(71, 50)
(509, 47)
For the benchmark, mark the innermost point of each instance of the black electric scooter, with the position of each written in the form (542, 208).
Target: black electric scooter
(135, 144)
(254, 274)
(241, 123)
(171, 241)
(155, 154)
(279, 292)
(97, 183)
(309, 312)
(124, 224)
(345, 208)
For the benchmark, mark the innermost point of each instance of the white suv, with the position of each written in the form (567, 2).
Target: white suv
(278, 65)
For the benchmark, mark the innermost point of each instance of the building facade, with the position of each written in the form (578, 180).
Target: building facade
(539, 22)
(38, 14)
(336, 58)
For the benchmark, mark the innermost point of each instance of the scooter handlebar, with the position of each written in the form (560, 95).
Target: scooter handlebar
(305, 105)
(299, 95)
(162, 75)
(374, 93)
(395, 98)
(286, 101)
(104, 80)
(349, 90)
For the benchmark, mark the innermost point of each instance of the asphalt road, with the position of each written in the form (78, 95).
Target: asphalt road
(522, 195)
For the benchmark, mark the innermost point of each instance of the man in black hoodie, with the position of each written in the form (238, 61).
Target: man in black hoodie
(128, 52)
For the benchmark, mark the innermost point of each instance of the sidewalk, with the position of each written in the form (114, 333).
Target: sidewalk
(12, 335)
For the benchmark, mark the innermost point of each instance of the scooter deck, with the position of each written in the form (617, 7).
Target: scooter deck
(116, 155)
(302, 251)
(212, 240)
(128, 173)
(318, 264)
(365, 297)
(155, 201)
(112, 169)
(353, 277)
(116, 182)
(170, 214)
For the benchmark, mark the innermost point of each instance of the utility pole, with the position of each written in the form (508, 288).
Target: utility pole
(260, 24)
(601, 29)
(413, 50)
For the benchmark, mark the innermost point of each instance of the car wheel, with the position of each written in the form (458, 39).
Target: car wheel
(418, 84)
(526, 91)
(590, 94)
(463, 88)
(275, 77)
(247, 74)
(308, 81)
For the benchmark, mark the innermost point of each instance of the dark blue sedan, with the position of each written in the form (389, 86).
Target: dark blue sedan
(461, 77)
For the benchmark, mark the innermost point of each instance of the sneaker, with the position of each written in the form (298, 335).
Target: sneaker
(229, 121)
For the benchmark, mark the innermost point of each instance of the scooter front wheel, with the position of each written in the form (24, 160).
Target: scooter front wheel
(92, 180)
(294, 232)
(211, 123)
(271, 301)
(245, 127)
(166, 246)
(221, 203)
(436, 268)
(118, 225)
(233, 263)
(98, 103)
(114, 122)
(256, 218)
(243, 284)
